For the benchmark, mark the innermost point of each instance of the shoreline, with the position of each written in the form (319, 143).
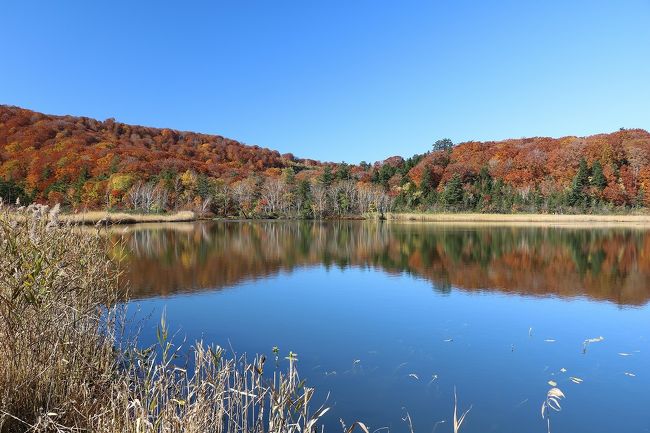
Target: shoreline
(546, 219)
(123, 218)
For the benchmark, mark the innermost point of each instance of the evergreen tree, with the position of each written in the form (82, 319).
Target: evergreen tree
(453, 194)
(598, 177)
(385, 173)
(443, 144)
(204, 188)
(327, 177)
(303, 192)
(496, 193)
(578, 194)
(343, 172)
(483, 188)
(427, 183)
(485, 179)
(289, 176)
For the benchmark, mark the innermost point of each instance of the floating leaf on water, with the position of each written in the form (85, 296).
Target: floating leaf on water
(552, 383)
(433, 379)
(562, 370)
(448, 340)
(630, 374)
(555, 392)
(594, 340)
(576, 380)
(553, 397)
(624, 354)
(414, 376)
(549, 340)
(530, 332)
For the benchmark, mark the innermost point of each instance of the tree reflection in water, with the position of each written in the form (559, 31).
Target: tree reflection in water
(610, 264)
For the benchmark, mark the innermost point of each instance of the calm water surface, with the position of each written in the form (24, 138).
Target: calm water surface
(389, 318)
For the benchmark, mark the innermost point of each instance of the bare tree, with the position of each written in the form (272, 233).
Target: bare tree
(319, 194)
(147, 197)
(272, 194)
(242, 191)
(133, 196)
(372, 198)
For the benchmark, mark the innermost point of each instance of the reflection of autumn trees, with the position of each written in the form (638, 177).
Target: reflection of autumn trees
(603, 264)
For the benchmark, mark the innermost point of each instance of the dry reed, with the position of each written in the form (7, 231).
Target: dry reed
(64, 370)
(642, 220)
(109, 218)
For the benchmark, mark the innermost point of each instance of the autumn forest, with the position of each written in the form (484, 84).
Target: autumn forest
(84, 163)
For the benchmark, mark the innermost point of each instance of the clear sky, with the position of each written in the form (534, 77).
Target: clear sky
(335, 80)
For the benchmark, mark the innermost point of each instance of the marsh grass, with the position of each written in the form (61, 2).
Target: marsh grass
(110, 218)
(542, 220)
(55, 330)
(63, 369)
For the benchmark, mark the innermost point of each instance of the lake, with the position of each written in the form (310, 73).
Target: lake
(390, 318)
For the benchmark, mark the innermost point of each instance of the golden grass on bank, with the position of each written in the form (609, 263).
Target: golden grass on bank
(63, 369)
(108, 218)
(533, 219)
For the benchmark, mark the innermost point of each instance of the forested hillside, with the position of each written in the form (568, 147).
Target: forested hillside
(90, 164)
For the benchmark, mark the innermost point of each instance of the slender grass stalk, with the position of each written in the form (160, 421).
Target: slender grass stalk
(458, 421)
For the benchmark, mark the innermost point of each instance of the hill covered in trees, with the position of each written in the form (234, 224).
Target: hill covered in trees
(90, 164)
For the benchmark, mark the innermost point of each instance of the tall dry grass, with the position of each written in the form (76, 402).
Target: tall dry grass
(63, 368)
(538, 219)
(57, 359)
(109, 218)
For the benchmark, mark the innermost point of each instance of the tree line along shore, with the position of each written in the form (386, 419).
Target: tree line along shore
(336, 195)
(87, 164)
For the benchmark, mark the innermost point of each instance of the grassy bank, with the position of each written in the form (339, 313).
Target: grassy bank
(66, 368)
(545, 219)
(109, 218)
(118, 218)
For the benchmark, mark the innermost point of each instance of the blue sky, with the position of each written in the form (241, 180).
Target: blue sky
(335, 80)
